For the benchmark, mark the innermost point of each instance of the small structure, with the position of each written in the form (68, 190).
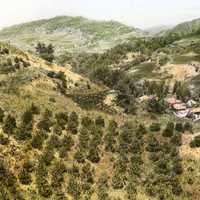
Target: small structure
(182, 114)
(195, 113)
(179, 106)
(171, 101)
(191, 103)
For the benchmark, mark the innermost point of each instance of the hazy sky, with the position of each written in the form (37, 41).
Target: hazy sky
(138, 13)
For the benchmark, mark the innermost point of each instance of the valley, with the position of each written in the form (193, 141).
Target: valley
(91, 110)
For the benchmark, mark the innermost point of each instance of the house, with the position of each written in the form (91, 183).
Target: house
(195, 113)
(183, 113)
(191, 103)
(171, 101)
(179, 106)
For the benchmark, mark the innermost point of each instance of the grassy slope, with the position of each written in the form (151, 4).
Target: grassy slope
(32, 84)
(71, 33)
(186, 28)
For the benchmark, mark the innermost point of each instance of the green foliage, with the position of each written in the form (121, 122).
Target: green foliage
(99, 121)
(179, 127)
(62, 119)
(118, 181)
(79, 156)
(103, 186)
(155, 127)
(37, 140)
(57, 174)
(195, 143)
(48, 156)
(84, 138)
(4, 140)
(157, 106)
(25, 177)
(169, 130)
(86, 122)
(9, 125)
(93, 155)
(152, 144)
(74, 188)
(176, 139)
(45, 52)
(1, 115)
(45, 123)
(182, 91)
(188, 127)
(73, 123)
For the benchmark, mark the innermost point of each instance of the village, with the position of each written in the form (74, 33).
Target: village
(190, 109)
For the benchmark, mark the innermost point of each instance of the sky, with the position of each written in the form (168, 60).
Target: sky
(138, 13)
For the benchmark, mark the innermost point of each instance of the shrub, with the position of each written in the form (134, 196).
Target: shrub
(1, 114)
(157, 106)
(188, 127)
(84, 138)
(73, 123)
(54, 142)
(86, 122)
(195, 143)
(169, 130)
(9, 125)
(45, 51)
(93, 155)
(152, 144)
(176, 139)
(79, 156)
(57, 174)
(62, 119)
(44, 124)
(154, 127)
(177, 168)
(67, 142)
(25, 177)
(57, 129)
(118, 182)
(99, 121)
(35, 109)
(44, 188)
(37, 140)
(22, 133)
(74, 188)
(4, 140)
(177, 189)
(48, 156)
(179, 127)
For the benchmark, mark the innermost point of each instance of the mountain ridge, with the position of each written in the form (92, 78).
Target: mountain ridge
(69, 33)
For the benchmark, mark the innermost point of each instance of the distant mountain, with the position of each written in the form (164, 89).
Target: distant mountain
(158, 29)
(69, 34)
(186, 28)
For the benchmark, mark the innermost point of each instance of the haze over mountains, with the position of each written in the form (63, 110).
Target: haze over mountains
(71, 33)
(78, 34)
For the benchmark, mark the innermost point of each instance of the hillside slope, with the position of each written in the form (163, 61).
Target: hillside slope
(69, 34)
(60, 138)
(186, 28)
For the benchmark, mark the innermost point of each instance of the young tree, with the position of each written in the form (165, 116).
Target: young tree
(45, 52)
(73, 123)
(169, 130)
(9, 125)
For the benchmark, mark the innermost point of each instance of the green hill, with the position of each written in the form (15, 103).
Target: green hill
(73, 34)
(109, 136)
(186, 29)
